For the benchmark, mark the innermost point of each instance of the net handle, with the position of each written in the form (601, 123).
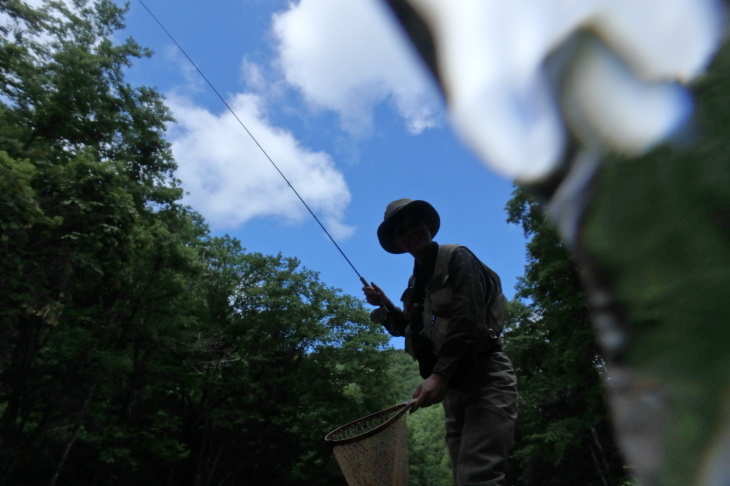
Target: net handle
(404, 407)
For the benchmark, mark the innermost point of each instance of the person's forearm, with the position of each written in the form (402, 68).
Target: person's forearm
(392, 309)
(396, 321)
(446, 366)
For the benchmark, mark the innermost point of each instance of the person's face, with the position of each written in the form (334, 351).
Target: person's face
(411, 234)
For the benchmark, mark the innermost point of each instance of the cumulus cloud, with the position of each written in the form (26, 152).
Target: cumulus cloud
(229, 179)
(350, 56)
(252, 75)
(520, 76)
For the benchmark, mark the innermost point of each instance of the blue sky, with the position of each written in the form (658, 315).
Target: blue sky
(351, 118)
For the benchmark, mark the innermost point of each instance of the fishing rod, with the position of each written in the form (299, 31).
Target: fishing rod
(364, 282)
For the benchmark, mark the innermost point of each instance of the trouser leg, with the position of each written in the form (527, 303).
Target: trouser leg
(479, 437)
(453, 423)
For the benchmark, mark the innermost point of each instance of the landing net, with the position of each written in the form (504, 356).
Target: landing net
(373, 450)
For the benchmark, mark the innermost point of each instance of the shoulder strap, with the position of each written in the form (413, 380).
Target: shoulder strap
(442, 261)
(496, 302)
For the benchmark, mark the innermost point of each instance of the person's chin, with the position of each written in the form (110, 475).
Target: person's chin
(417, 245)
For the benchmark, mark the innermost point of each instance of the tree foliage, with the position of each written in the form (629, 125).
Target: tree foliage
(427, 453)
(563, 433)
(137, 348)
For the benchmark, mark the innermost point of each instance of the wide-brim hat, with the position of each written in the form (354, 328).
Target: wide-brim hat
(394, 213)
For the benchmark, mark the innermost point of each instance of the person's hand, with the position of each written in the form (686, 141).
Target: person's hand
(432, 390)
(374, 295)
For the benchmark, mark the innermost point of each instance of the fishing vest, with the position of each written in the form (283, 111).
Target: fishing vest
(436, 312)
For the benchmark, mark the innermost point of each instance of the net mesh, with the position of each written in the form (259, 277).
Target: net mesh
(373, 451)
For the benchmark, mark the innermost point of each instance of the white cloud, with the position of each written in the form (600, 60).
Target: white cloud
(252, 75)
(350, 56)
(515, 72)
(230, 180)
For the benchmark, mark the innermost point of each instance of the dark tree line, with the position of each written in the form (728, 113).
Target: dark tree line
(137, 348)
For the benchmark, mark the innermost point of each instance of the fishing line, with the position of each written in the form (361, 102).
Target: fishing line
(254, 139)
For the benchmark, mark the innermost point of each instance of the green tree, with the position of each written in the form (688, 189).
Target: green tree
(89, 193)
(564, 434)
(282, 360)
(137, 348)
(427, 454)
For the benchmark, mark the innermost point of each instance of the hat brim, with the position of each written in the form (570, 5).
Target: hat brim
(385, 230)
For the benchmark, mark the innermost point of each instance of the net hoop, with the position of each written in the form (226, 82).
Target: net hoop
(402, 408)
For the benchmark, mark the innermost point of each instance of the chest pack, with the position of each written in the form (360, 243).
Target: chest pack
(436, 308)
